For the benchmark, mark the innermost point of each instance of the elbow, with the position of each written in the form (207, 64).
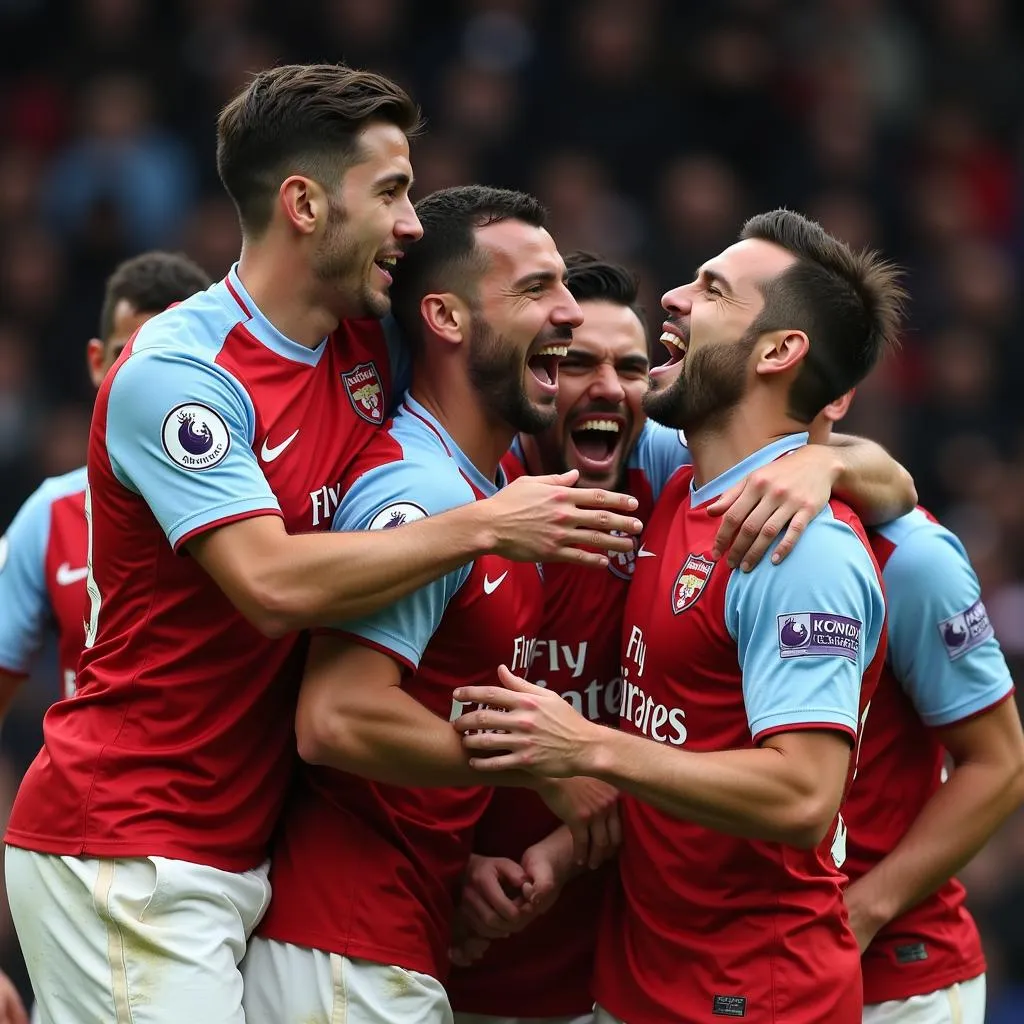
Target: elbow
(1015, 780)
(269, 610)
(808, 821)
(909, 491)
(318, 736)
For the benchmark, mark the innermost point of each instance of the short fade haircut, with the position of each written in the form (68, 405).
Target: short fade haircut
(300, 119)
(593, 279)
(446, 259)
(848, 303)
(150, 283)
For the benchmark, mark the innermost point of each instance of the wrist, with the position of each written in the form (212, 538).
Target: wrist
(598, 756)
(877, 909)
(480, 533)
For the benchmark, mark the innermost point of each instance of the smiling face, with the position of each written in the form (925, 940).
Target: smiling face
(601, 384)
(522, 323)
(709, 339)
(369, 225)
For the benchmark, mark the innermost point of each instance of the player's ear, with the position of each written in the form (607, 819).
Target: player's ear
(446, 316)
(779, 351)
(303, 202)
(94, 360)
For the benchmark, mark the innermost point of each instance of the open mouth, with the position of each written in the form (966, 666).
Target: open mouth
(543, 364)
(596, 440)
(676, 345)
(386, 264)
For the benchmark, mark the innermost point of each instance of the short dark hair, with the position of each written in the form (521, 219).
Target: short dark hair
(848, 303)
(446, 258)
(300, 119)
(591, 278)
(150, 282)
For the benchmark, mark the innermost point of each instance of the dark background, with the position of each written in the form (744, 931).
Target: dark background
(651, 128)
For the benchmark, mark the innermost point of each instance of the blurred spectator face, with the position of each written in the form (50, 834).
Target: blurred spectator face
(114, 19)
(477, 103)
(700, 200)
(31, 272)
(734, 59)
(962, 368)
(365, 24)
(212, 236)
(64, 440)
(981, 282)
(846, 215)
(615, 39)
(19, 185)
(601, 385)
(441, 161)
(115, 108)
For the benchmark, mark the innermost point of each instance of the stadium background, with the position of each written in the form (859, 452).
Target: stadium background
(650, 128)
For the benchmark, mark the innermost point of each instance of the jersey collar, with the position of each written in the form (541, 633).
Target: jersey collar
(410, 407)
(769, 453)
(233, 292)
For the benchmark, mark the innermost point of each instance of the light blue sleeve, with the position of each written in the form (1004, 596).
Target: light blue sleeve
(806, 630)
(25, 609)
(658, 453)
(179, 433)
(942, 647)
(387, 497)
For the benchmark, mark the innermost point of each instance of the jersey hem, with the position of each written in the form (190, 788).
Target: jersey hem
(777, 730)
(35, 843)
(924, 984)
(375, 645)
(500, 1006)
(354, 949)
(245, 510)
(21, 673)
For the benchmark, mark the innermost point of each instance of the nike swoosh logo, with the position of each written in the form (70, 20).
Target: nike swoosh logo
(642, 552)
(66, 575)
(490, 586)
(268, 454)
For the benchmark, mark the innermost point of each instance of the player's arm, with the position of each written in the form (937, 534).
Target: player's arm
(224, 512)
(24, 603)
(964, 691)
(784, 496)
(802, 709)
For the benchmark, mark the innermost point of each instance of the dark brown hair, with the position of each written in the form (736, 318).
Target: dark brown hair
(848, 303)
(300, 119)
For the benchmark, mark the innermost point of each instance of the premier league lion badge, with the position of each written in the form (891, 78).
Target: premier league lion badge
(690, 582)
(365, 392)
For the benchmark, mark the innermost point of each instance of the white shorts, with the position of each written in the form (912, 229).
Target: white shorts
(143, 940)
(602, 1016)
(483, 1018)
(963, 1003)
(285, 983)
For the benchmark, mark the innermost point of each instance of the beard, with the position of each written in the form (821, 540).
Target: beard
(709, 386)
(496, 369)
(338, 263)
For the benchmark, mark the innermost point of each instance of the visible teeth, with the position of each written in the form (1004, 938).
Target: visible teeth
(554, 350)
(671, 338)
(388, 261)
(609, 425)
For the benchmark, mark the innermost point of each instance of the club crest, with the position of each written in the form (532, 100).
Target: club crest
(690, 582)
(365, 392)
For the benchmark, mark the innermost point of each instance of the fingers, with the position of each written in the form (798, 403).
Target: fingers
(580, 831)
(596, 499)
(602, 522)
(600, 842)
(566, 479)
(737, 531)
(797, 525)
(482, 917)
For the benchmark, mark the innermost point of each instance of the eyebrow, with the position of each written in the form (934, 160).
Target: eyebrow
(396, 178)
(713, 277)
(632, 362)
(540, 277)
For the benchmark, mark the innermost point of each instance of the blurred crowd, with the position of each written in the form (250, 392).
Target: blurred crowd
(650, 128)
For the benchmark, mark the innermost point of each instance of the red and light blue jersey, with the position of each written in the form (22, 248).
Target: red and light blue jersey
(545, 970)
(370, 870)
(701, 924)
(179, 742)
(42, 578)
(943, 666)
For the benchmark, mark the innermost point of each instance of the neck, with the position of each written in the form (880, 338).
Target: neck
(751, 425)
(281, 285)
(452, 399)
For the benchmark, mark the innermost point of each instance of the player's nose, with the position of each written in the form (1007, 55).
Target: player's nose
(567, 312)
(677, 301)
(606, 385)
(407, 225)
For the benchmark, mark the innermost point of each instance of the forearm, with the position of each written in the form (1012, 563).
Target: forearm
(397, 740)
(952, 827)
(322, 579)
(9, 683)
(557, 850)
(871, 481)
(749, 793)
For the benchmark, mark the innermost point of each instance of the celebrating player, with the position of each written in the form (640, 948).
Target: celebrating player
(601, 430)
(365, 869)
(945, 688)
(137, 843)
(729, 901)
(43, 552)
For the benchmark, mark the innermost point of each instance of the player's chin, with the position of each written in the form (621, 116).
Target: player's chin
(377, 303)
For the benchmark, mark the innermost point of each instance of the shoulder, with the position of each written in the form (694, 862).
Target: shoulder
(56, 487)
